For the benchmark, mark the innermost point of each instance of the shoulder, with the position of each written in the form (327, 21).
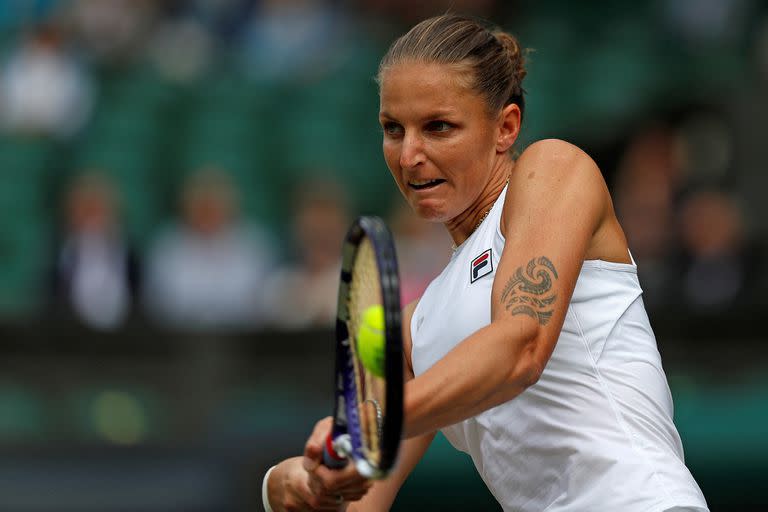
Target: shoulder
(553, 175)
(556, 166)
(559, 158)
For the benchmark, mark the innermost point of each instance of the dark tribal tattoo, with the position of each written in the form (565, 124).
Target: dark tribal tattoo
(529, 292)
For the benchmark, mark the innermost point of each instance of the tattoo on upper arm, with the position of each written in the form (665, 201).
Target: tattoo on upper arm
(529, 290)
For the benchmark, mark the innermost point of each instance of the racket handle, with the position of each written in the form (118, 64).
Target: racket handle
(331, 459)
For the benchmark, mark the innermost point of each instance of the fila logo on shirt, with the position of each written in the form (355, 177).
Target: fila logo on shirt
(481, 266)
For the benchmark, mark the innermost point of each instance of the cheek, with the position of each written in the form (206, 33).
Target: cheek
(389, 154)
(475, 156)
(392, 159)
(460, 160)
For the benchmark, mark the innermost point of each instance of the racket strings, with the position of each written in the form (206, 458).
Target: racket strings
(366, 291)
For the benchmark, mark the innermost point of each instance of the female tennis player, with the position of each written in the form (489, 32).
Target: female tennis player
(532, 350)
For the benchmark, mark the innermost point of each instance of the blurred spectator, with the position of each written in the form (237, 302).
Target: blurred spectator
(647, 181)
(423, 250)
(278, 41)
(702, 22)
(225, 19)
(14, 13)
(716, 266)
(96, 271)
(182, 49)
(42, 88)
(208, 271)
(748, 108)
(409, 13)
(706, 138)
(112, 32)
(304, 294)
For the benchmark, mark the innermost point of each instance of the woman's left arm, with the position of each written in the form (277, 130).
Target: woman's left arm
(555, 202)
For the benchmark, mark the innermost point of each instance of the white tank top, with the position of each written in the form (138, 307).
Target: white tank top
(595, 433)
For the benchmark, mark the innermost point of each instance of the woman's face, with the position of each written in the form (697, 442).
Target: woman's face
(439, 141)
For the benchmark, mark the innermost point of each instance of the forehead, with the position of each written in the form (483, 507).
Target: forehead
(414, 88)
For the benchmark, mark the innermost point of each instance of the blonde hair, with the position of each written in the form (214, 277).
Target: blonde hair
(493, 57)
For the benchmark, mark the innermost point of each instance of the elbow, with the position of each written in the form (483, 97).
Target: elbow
(524, 359)
(529, 365)
(527, 374)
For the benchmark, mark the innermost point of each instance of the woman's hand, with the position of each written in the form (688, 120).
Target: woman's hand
(345, 483)
(303, 484)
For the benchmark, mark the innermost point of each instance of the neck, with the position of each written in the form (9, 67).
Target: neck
(463, 225)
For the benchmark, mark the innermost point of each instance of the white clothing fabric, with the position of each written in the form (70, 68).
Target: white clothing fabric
(44, 91)
(595, 432)
(97, 268)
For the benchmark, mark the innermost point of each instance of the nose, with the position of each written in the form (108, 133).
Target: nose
(411, 151)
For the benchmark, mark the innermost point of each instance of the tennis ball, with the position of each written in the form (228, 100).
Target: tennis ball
(371, 340)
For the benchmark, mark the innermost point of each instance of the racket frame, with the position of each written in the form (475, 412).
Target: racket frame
(346, 434)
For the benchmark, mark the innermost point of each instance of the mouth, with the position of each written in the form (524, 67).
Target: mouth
(424, 184)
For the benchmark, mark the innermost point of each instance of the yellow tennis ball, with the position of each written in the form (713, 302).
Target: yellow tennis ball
(371, 340)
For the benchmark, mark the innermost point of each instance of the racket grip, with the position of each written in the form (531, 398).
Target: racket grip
(331, 459)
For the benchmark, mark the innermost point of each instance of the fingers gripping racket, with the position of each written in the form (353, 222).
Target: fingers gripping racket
(368, 413)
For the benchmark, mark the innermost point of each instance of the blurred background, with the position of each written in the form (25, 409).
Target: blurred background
(176, 177)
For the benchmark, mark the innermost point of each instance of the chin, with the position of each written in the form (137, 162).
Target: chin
(429, 214)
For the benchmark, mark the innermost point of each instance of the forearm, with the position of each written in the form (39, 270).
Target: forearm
(383, 493)
(490, 367)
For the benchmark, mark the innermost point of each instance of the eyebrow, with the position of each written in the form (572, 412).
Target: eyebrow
(435, 114)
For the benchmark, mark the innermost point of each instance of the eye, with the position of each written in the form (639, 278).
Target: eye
(439, 126)
(392, 129)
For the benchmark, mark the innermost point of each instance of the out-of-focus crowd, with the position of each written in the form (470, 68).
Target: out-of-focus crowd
(688, 227)
(211, 269)
(209, 266)
(687, 180)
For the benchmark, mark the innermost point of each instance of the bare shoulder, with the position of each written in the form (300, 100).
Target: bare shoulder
(556, 168)
(554, 147)
(559, 159)
(553, 176)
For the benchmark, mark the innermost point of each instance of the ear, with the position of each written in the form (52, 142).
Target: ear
(509, 128)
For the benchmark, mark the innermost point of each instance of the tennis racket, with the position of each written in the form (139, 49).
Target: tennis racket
(368, 411)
